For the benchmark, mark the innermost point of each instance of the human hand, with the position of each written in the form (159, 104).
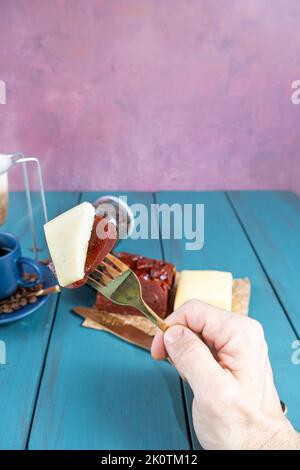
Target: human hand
(224, 357)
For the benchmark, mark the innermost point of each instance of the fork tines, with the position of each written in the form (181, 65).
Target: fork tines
(110, 268)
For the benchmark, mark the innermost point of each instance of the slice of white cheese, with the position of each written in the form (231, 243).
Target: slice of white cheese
(213, 287)
(68, 238)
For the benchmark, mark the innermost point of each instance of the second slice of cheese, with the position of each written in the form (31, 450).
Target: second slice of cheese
(213, 287)
(68, 237)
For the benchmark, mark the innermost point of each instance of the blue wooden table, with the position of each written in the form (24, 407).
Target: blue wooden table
(68, 387)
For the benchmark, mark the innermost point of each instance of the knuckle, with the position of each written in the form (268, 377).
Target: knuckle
(248, 325)
(258, 337)
(257, 329)
(189, 348)
(247, 331)
(186, 354)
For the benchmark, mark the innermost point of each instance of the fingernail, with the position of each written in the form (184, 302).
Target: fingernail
(173, 334)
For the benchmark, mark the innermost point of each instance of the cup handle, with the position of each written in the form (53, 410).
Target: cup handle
(37, 270)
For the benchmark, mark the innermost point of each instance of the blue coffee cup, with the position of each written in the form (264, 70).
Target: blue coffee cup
(11, 266)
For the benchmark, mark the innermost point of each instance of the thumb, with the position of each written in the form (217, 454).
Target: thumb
(192, 358)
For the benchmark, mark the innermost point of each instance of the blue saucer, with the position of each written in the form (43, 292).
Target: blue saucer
(48, 280)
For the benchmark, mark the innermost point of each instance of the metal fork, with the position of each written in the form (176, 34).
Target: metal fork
(118, 283)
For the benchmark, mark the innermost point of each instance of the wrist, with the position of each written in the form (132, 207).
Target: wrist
(275, 434)
(285, 438)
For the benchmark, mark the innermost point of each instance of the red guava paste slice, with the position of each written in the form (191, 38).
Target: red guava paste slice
(156, 278)
(98, 248)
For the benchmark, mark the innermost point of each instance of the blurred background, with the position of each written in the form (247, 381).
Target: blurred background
(153, 94)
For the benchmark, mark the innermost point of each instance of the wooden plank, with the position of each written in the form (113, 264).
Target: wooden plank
(26, 340)
(99, 392)
(226, 248)
(272, 222)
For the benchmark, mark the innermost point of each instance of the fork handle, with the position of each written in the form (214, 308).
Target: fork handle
(146, 310)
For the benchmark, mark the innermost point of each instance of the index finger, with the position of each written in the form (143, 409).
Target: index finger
(196, 315)
(216, 327)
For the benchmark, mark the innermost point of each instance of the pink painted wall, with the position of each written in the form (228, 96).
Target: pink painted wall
(153, 94)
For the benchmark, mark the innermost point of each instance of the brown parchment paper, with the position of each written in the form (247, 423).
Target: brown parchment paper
(241, 291)
(139, 330)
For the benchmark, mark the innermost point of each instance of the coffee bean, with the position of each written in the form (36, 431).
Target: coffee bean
(7, 309)
(23, 302)
(22, 297)
(15, 306)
